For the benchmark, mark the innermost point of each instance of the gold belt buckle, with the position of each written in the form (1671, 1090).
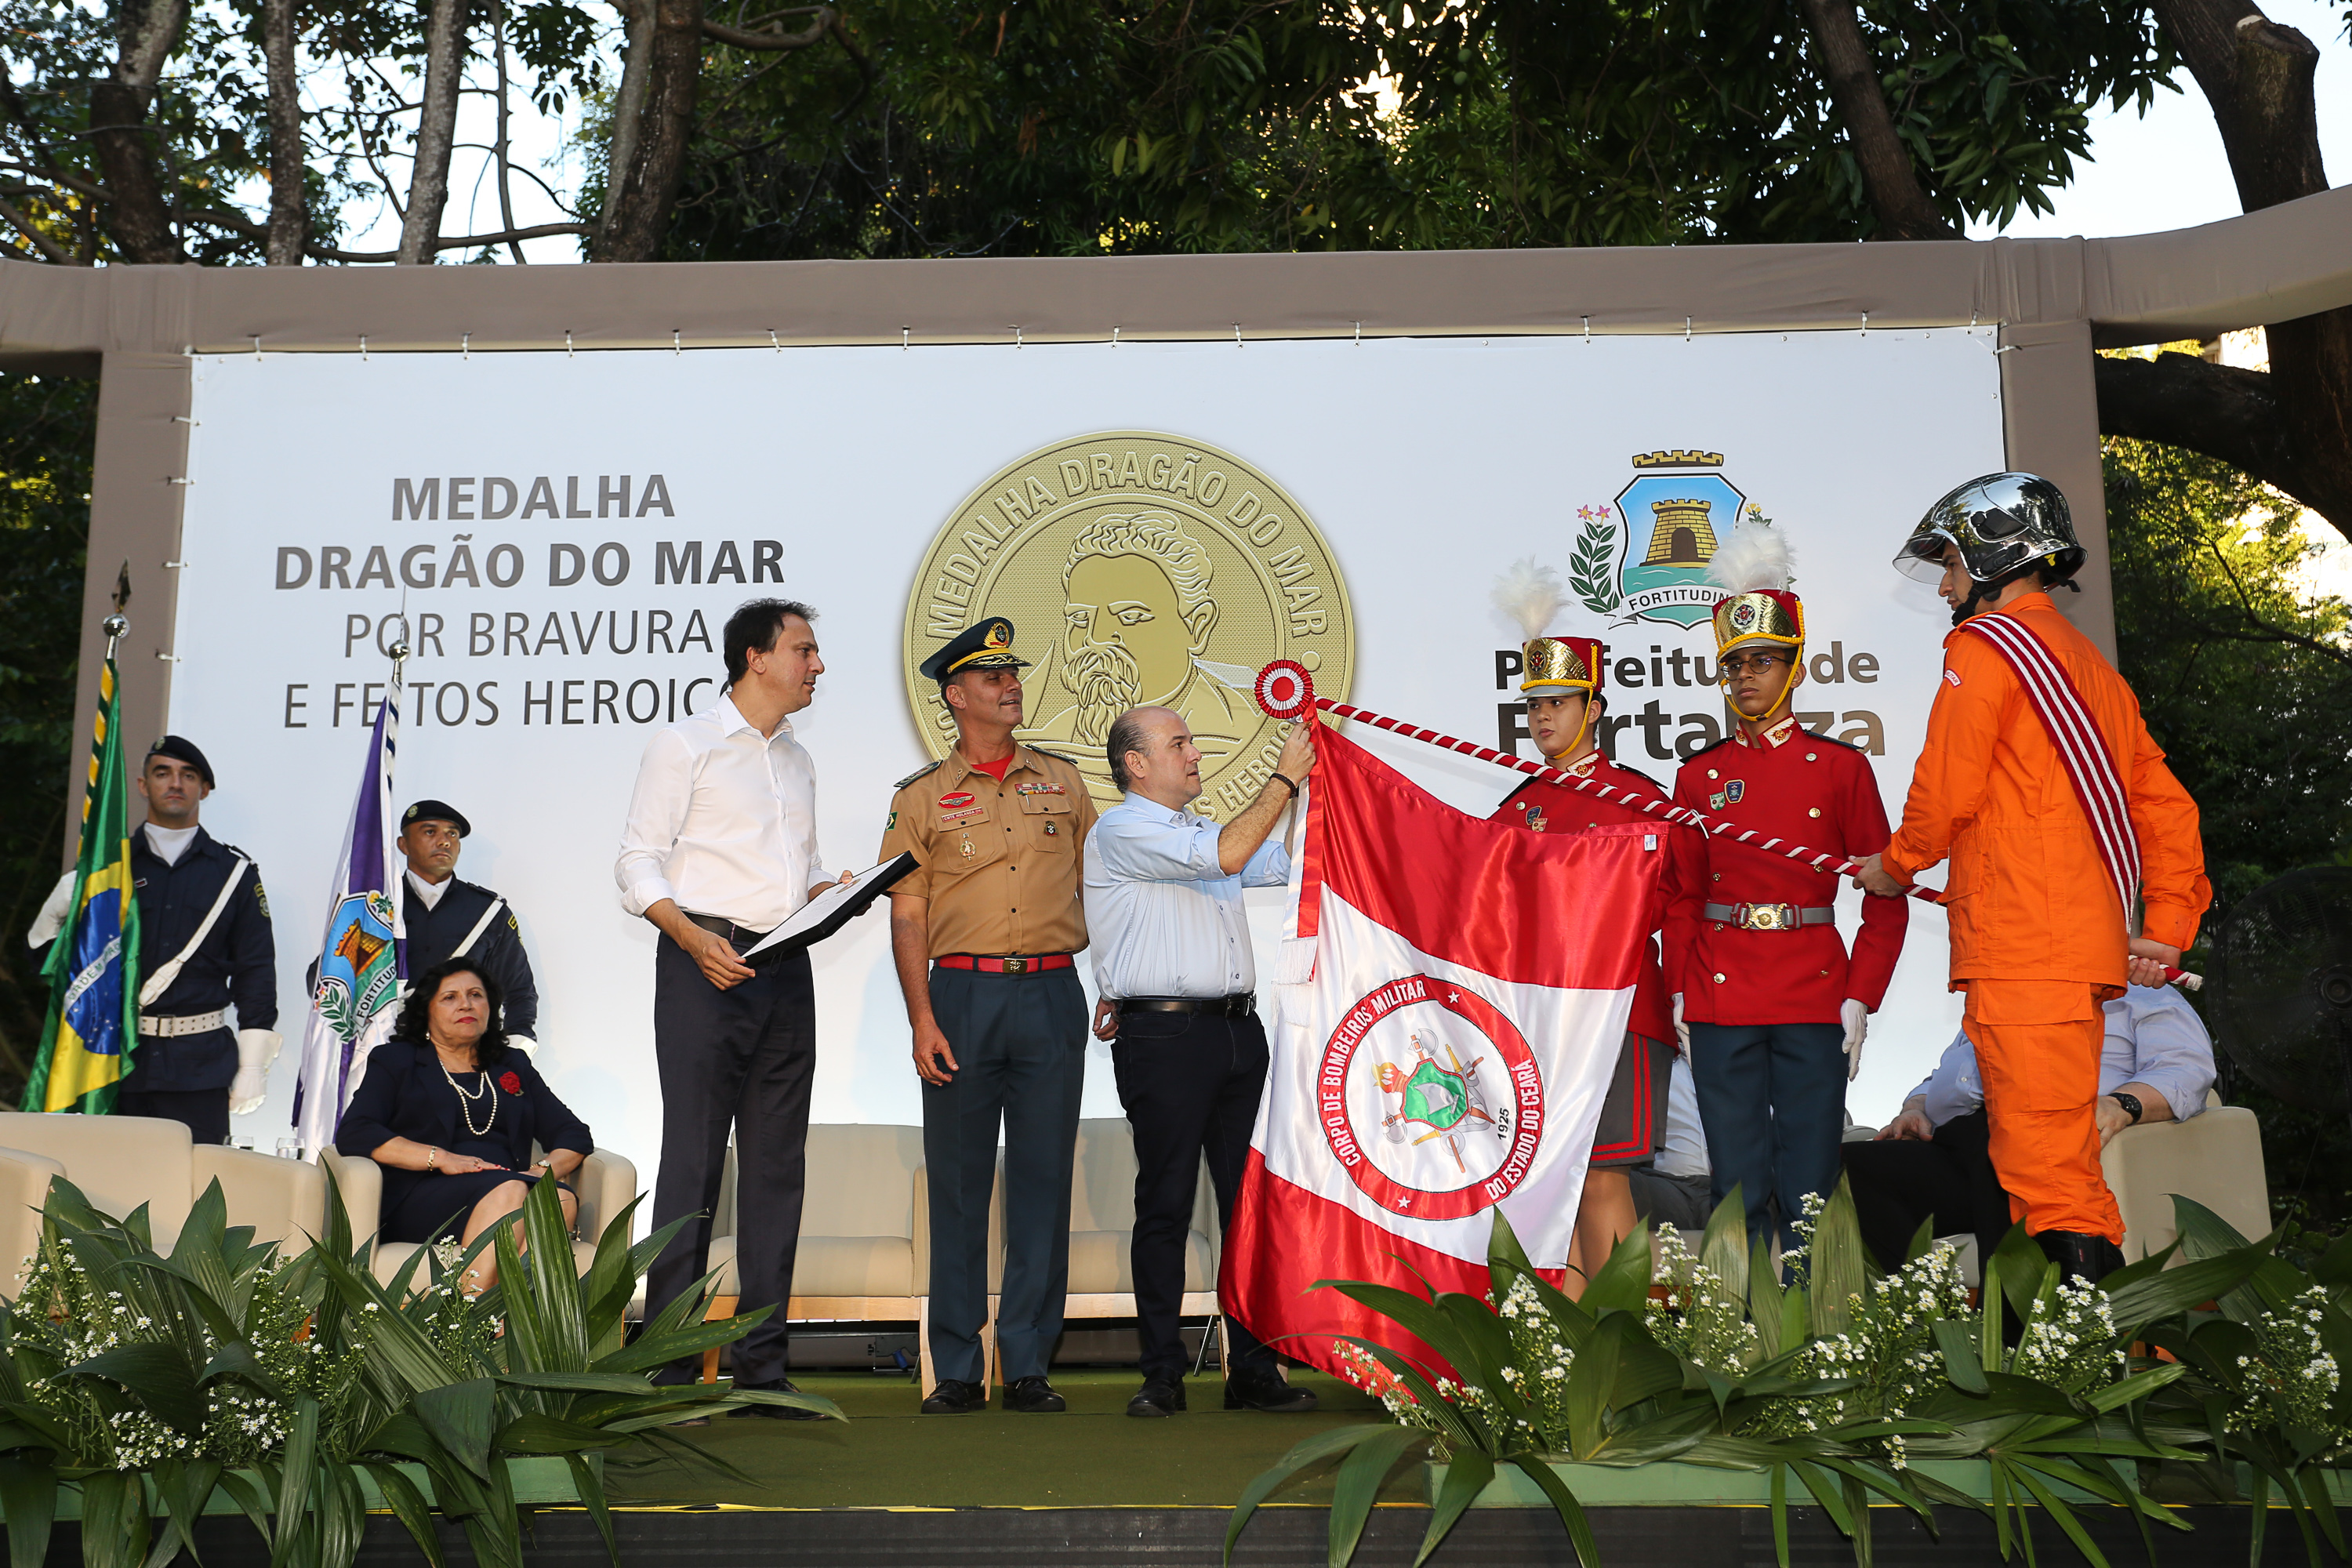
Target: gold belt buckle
(1016, 965)
(1767, 917)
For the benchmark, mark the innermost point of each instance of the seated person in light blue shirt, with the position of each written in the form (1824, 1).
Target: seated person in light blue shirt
(1178, 981)
(2157, 1066)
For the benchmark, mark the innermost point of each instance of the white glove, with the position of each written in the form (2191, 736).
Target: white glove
(256, 1049)
(1682, 1030)
(526, 1044)
(52, 918)
(1856, 1019)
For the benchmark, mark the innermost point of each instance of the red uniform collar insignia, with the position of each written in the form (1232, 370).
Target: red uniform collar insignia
(1772, 739)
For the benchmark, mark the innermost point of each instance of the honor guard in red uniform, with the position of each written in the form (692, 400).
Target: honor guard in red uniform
(1774, 1009)
(1561, 678)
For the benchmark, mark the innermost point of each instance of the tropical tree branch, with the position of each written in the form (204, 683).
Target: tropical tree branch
(761, 38)
(41, 242)
(1897, 197)
(2291, 427)
(237, 223)
(289, 211)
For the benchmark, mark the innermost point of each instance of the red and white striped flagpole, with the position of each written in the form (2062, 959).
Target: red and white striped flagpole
(1285, 690)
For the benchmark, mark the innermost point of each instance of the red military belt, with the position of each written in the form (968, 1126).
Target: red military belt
(1009, 963)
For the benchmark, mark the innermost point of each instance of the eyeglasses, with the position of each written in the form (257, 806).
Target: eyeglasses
(1759, 663)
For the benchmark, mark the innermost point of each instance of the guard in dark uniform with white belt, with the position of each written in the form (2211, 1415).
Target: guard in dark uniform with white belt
(204, 943)
(983, 931)
(447, 918)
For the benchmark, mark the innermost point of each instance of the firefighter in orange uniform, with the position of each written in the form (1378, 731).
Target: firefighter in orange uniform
(1563, 684)
(1775, 1009)
(2041, 931)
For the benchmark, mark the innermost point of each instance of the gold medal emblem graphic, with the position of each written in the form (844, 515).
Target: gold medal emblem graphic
(1136, 568)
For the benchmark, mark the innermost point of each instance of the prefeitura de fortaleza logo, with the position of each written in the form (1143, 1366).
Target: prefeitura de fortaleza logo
(1645, 556)
(1430, 1099)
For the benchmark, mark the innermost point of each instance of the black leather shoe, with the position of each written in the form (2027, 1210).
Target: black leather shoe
(1157, 1396)
(2078, 1256)
(952, 1397)
(775, 1412)
(1264, 1389)
(1033, 1397)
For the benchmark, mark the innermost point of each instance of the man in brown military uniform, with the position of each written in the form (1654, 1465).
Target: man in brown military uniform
(983, 930)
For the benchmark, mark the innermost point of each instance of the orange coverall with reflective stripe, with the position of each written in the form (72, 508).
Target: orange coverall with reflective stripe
(2038, 938)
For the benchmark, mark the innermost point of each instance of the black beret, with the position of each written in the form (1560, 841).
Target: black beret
(181, 751)
(985, 644)
(436, 810)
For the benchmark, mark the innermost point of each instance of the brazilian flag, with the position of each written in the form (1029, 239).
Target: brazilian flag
(93, 966)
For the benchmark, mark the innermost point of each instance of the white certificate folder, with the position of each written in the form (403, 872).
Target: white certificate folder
(829, 911)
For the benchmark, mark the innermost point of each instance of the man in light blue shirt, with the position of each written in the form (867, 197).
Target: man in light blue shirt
(2156, 1065)
(1178, 987)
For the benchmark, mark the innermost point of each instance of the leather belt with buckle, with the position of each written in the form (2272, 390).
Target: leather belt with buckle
(1007, 963)
(160, 1027)
(741, 936)
(1770, 917)
(1240, 1005)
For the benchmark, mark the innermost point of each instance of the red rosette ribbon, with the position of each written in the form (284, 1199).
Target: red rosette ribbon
(1284, 689)
(511, 1083)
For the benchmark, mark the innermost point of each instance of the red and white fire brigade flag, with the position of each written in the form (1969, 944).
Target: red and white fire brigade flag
(1470, 991)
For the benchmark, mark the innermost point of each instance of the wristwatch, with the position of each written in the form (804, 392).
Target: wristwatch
(2132, 1107)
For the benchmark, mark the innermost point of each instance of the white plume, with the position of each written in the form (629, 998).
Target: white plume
(1755, 556)
(1529, 594)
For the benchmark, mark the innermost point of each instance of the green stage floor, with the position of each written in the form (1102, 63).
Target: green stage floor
(1091, 1456)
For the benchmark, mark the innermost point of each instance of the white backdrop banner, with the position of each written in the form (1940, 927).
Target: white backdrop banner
(566, 537)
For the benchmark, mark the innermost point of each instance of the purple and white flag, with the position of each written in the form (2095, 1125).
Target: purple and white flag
(361, 957)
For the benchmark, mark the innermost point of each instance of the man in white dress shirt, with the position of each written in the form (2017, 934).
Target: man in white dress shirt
(719, 850)
(1177, 983)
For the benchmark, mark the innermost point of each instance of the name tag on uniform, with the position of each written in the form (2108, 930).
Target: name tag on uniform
(950, 818)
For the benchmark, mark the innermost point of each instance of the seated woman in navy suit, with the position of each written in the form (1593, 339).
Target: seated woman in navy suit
(451, 1114)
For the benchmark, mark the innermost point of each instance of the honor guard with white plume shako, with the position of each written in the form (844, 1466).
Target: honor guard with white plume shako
(446, 917)
(984, 932)
(2076, 862)
(204, 946)
(1561, 680)
(1775, 1009)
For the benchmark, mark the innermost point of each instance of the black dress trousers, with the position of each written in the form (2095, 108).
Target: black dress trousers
(743, 1059)
(1904, 1180)
(1190, 1083)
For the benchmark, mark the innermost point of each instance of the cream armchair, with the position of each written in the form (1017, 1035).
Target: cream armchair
(605, 1182)
(122, 1162)
(2215, 1158)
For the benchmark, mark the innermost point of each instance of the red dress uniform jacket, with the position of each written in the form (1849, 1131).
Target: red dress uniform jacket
(1548, 807)
(1802, 788)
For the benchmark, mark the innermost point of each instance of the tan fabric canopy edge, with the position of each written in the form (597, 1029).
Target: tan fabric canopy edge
(2284, 262)
(139, 323)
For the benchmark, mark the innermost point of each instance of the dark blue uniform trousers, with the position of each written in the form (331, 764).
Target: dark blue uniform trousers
(1020, 1045)
(1772, 1100)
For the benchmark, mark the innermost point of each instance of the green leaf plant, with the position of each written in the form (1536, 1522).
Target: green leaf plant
(1861, 1386)
(147, 1381)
